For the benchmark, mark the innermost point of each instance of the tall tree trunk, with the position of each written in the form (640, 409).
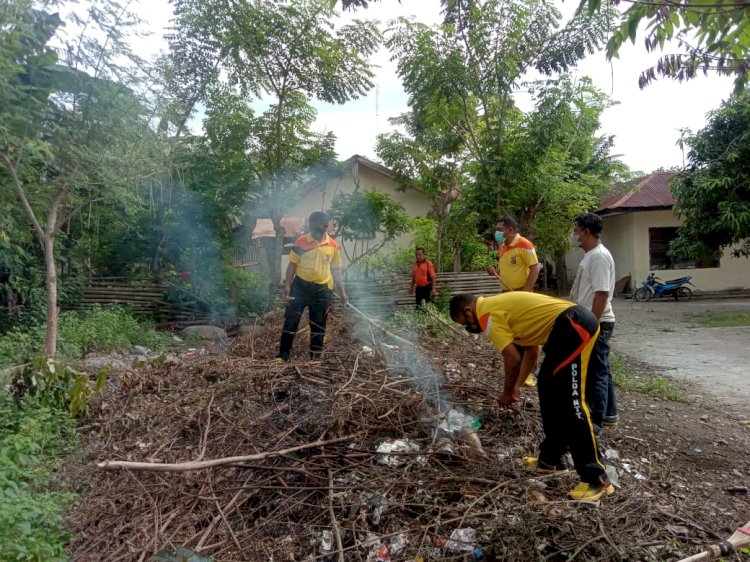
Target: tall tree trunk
(439, 251)
(50, 340)
(457, 260)
(561, 271)
(276, 251)
(160, 233)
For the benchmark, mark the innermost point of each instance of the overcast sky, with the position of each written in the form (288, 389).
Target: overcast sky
(645, 123)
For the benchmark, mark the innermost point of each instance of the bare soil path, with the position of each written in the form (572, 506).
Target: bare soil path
(667, 335)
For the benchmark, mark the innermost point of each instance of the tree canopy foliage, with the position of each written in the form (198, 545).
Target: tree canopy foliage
(366, 220)
(712, 36)
(62, 120)
(285, 53)
(713, 193)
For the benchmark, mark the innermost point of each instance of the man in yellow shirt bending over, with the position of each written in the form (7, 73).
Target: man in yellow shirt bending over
(568, 333)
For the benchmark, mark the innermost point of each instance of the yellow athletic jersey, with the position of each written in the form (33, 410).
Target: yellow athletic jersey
(315, 259)
(515, 262)
(519, 317)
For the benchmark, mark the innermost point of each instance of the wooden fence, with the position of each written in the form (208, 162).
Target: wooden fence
(145, 297)
(249, 255)
(380, 296)
(388, 294)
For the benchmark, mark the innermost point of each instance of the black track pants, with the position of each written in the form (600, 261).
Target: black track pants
(562, 387)
(318, 299)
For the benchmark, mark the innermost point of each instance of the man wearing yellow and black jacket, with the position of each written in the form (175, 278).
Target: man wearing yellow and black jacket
(314, 267)
(568, 333)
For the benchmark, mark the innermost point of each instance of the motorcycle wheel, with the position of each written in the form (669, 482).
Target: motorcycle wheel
(642, 295)
(683, 294)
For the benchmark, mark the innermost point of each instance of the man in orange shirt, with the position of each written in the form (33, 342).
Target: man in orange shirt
(422, 278)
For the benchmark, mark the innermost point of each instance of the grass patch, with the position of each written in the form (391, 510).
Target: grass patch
(630, 378)
(99, 329)
(432, 322)
(722, 319)
(33, 439)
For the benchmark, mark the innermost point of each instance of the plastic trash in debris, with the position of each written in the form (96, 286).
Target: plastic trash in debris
(462, 540)
(478, 554)
(462, 427)
(612, 475)
(378, 503)
(698, 450)
(326, 542)
(383, 555)
(396, 446)
(611, 454)
(367, 350)
(397, 544)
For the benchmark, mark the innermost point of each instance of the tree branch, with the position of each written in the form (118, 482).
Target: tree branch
(22, 195)
(201, 465)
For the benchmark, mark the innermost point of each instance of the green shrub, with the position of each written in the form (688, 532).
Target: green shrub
(223, 292)
(251, 288)
(98, 329)
(56, 385)
(32, 437)
(105, 329)
(19, 345)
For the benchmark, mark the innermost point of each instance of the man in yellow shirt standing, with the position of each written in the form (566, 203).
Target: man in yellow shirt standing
(314, 267)
(568, 333)
(518, 266)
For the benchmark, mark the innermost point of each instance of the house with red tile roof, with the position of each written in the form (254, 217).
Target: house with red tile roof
(639, 224)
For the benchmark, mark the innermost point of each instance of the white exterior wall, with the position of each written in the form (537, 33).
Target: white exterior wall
(416, 203)
(626, 237)
(732, 273)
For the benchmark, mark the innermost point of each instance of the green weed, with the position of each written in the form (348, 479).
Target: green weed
(633, 379)
(33, 437)
(98, 329)
(722, 319)
(432, 321)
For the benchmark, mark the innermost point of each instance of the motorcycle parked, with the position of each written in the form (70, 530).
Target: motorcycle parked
(655, 287)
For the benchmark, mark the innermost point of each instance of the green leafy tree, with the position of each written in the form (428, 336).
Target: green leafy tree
(712, 36)
(366, 220)
(285, 53)
(713, 193)
(60, 121)
(428, 159)
(473, 64)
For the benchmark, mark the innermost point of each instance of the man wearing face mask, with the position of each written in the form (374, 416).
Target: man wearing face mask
(593, 288)
(314, 267)
(518, 266)
(568, 333)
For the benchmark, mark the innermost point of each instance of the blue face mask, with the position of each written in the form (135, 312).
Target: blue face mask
(499, 237)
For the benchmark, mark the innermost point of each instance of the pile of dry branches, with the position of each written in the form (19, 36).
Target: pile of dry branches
(311, 484)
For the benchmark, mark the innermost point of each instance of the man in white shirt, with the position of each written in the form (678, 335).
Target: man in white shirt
(593, 288)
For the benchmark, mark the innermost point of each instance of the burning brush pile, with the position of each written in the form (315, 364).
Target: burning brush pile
(374, 454)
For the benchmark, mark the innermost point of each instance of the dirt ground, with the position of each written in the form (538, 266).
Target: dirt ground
(683, 469)
(666, 335)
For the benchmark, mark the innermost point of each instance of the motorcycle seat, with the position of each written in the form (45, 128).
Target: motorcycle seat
(680, 280)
